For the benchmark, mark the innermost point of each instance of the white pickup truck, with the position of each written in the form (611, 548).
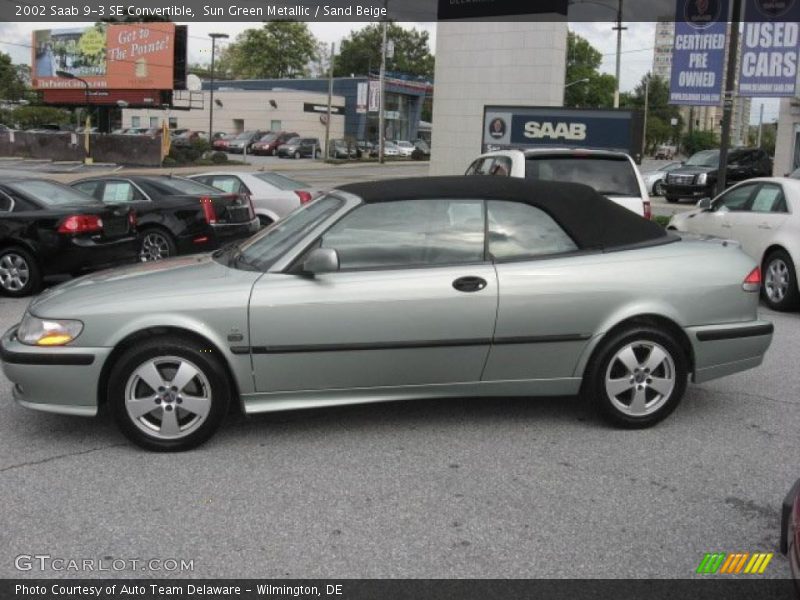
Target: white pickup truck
(613, 174)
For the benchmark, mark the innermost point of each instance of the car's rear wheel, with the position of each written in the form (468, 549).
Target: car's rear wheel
(637, 377)
(19, 272)
(658, 188)
(156, 245)
(672, 199)
(168, 394)
(780, 282)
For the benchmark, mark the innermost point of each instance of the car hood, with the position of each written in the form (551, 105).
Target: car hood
(692, 170)
(164, 285)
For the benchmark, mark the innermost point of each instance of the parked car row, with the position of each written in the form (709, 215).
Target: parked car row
(47, 228)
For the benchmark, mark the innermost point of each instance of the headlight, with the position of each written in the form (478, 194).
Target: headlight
(47, 332)
(701, 179)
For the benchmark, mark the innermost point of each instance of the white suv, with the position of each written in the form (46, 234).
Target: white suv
(613, 174)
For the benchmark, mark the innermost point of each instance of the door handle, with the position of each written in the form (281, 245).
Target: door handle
(469, 284)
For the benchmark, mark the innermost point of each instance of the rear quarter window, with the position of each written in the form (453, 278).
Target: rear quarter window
(607, 175)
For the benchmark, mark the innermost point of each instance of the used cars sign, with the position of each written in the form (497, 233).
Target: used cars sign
(533, 127)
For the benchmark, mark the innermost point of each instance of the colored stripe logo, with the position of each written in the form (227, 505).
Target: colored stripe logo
(734, 563)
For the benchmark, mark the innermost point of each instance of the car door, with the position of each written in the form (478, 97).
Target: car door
(716, 220)
(414, 303)
(756, 227)
(544, 316)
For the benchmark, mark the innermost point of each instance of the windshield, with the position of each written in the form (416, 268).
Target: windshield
(52, 194)
(268, 138)
(261, 251)
(244, 136)
(280, 181)
(607, 175)
(293, 141)
(706, 158)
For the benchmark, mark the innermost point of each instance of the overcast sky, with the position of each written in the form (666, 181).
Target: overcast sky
(637, 46)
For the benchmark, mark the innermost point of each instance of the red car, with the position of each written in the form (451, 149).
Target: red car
(269, 144)
(221, 143)
(790, 531)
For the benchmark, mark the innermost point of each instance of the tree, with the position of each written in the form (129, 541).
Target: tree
(659, 111)
(361, 52)
(699, 140)
(12, 82)
(583, 63)
(27, 117)
(279, 49)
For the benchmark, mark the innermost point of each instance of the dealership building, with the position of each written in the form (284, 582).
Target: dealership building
(787, 142)
(299, 105)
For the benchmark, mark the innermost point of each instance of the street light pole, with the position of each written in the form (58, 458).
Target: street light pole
(382, 100)
(214, 37)
(619, 28)
(728, 96)
(88, 122)
(646, 106)
(326, 154)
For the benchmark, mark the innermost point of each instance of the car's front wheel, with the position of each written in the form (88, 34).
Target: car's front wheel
(672, 199)
(658, 188)
(637, 377)
(168, 394)
(780, 282)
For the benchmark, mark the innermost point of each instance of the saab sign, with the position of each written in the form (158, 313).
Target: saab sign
(534, 127)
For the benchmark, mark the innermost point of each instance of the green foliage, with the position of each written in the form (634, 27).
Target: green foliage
(191, 154)
(219, 158)
(661, 220)
(769, 132)
(279, 49)
(28, 117)
(699, 140)
(362, 51)
(12, 84)
(583, 62)
(659, 111)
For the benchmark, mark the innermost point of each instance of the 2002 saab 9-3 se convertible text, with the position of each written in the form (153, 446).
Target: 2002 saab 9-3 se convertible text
(418, 288)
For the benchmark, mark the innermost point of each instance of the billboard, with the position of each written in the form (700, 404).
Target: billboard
(698, 55)
(107, 56)
(770, 48)
(523, 127)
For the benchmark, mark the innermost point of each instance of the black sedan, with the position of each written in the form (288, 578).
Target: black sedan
(176, 215)
(47, 228)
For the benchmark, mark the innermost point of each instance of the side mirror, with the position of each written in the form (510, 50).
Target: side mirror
(322, 260)
(704, 203)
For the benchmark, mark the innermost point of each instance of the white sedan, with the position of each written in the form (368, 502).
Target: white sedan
(274, 195)
(764, 216)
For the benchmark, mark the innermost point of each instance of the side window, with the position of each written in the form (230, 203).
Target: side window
(120, 192)
(227, 183)
(736, 199)
(87, 187)
(769, 198)
(23, 205)
(6, 203)
(409, 233)
(482, 166)
(501, 166)
(518, 231)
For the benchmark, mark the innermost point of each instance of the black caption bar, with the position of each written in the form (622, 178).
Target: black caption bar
(397, 589)
(341, 10)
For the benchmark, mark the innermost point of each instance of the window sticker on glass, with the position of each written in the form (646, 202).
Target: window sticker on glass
(117, 192)
(226, 184)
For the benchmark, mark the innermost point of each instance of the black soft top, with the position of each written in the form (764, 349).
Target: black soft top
(592, 220)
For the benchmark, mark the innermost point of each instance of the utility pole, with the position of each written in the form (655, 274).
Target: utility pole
(382, 99)
(646, 103)
(214, 37)
(760, 124)
(330, 100)
(730, 92)
(619, 29)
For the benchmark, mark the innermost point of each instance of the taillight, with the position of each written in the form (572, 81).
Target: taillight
(648, 210)
(305, 197)
(81, 224)
(208, 210)
(132, 221)
(752, 283)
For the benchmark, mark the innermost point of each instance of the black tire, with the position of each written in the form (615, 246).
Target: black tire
(672, 199)
(604, 363)
(159, 348)
(779, 266)
(20, 274)
(658, 188)
(152, 235)
(264, 221)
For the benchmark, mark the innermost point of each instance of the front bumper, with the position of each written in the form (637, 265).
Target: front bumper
(721, 350)
(59, 380)
(695, 192)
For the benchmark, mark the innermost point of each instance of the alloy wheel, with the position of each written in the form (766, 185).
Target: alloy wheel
(168, 397)
(640, 378)
(154, 247)
(658, 188)
(14, 272)
(776, 280)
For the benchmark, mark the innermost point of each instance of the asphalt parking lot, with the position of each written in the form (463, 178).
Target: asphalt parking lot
(481, 488)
